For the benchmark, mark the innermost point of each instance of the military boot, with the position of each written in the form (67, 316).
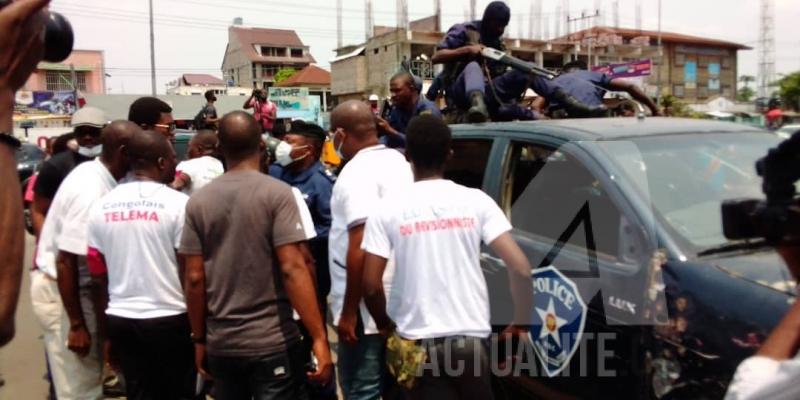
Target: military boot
(478, 112)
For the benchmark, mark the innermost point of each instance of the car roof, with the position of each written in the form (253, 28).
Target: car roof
(610, 128)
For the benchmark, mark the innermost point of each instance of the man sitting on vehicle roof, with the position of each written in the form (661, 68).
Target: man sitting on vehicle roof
(467, 77)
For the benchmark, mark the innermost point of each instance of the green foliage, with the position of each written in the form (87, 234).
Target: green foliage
(283, 74)
(746, 79)
(789, 89)
(745, 94)
(674, 107)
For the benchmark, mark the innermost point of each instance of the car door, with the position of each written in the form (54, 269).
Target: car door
(590, 266)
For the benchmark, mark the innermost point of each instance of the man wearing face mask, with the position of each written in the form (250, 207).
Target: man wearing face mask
(297, 163)
(87, 124)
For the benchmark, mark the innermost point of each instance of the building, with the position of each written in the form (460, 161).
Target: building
(198, 84)
(318, 82)
(691, 68)
(695, 68)
(254, 55)
(89, 67)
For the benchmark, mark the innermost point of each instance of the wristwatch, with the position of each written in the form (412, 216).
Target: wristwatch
(10, 140)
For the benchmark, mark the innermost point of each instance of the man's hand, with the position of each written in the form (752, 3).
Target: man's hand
(324, 372)
(347, 328)
(474, 50)
(514, 331)
(108, 355)
(200, 361)
(383, 125)
(21, 44)
(79, 340)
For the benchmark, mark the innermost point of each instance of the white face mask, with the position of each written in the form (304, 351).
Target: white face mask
(91, 152)
(283, 154)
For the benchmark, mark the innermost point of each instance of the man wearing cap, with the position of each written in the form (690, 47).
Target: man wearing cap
(86, 124)
(298, 165)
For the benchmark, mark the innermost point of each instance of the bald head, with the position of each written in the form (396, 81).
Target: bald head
(115, 136)
(356, 118)
(146, 148)
(239, 135)
(203, 143)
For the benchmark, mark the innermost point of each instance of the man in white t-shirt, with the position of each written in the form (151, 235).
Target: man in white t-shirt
(434, 230)
(134, 232)
(70, 335)
(201, 167)
(372, 171)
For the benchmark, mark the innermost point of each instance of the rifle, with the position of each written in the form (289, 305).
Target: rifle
(516, 63)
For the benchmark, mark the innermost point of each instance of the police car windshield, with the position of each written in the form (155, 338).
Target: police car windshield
(688, 176)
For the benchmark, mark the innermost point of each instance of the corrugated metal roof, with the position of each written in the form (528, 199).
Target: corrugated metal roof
(310, 75)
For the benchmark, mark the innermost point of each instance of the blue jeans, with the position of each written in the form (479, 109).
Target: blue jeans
(276, 376)
(362, 368)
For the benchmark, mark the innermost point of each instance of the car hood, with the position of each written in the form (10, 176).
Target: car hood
(763, 267)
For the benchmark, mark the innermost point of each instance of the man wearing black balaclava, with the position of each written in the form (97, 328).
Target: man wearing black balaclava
(466, 83)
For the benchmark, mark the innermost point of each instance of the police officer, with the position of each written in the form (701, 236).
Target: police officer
(406, 104)
(299, 166)
(466, 83)
(589, 87)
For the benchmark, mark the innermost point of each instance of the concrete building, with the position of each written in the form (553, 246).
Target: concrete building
(198, 84)
(364, 69)
(89, 66)
(254, 55)
(318, 82)
(691, 68)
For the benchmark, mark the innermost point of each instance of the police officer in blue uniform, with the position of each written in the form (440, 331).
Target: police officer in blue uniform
(589, 87)
(406, 104)
(465, 74)
(298, 165)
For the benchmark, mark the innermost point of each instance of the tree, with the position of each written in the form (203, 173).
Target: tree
(789, 89)
(283, 74)
(746, 79)
(745, 94)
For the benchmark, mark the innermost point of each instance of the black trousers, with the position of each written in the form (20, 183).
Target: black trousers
(156, 356)
(275, 376)
(457, 368)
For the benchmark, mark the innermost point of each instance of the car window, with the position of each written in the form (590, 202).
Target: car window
(468, 164)
(546, 190)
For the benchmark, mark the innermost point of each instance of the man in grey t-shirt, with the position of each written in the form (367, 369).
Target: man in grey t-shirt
(244, 274)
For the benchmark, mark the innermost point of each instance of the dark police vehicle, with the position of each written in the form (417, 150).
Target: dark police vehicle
(637, 292)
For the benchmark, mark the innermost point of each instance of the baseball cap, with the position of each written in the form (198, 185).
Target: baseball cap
(308, 129)
(373, 97)
(89, 116)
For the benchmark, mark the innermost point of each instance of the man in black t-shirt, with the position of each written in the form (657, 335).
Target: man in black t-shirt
(207, 117)
(87, 124)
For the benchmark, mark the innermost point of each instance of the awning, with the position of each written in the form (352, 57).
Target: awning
(62, 67)
(356, 52)
(719, 114)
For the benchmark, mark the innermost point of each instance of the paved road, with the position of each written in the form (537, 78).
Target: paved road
(22, 362)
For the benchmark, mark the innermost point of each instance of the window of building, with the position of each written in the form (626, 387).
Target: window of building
(268, 71)
(727, 62)
(678, 91)
(297, 53)
(702, 91)
(268, 51)
(468, 164)
(61, 80)
(680, 59)
(376, 50)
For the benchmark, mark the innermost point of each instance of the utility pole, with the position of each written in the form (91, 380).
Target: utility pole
(766, 48)
(339, 37)
(660, 59)
(152, 52)
(585, 17)
(73, 77)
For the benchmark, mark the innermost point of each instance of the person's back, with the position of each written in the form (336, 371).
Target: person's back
(586, 86)
(201, 170)
(440, 228)
(239, 219)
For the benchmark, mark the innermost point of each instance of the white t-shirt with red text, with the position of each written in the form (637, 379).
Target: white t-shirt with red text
(434, 229)
(137, 228)
(201, 171)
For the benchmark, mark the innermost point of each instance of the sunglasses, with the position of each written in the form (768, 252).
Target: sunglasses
(171, 127)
